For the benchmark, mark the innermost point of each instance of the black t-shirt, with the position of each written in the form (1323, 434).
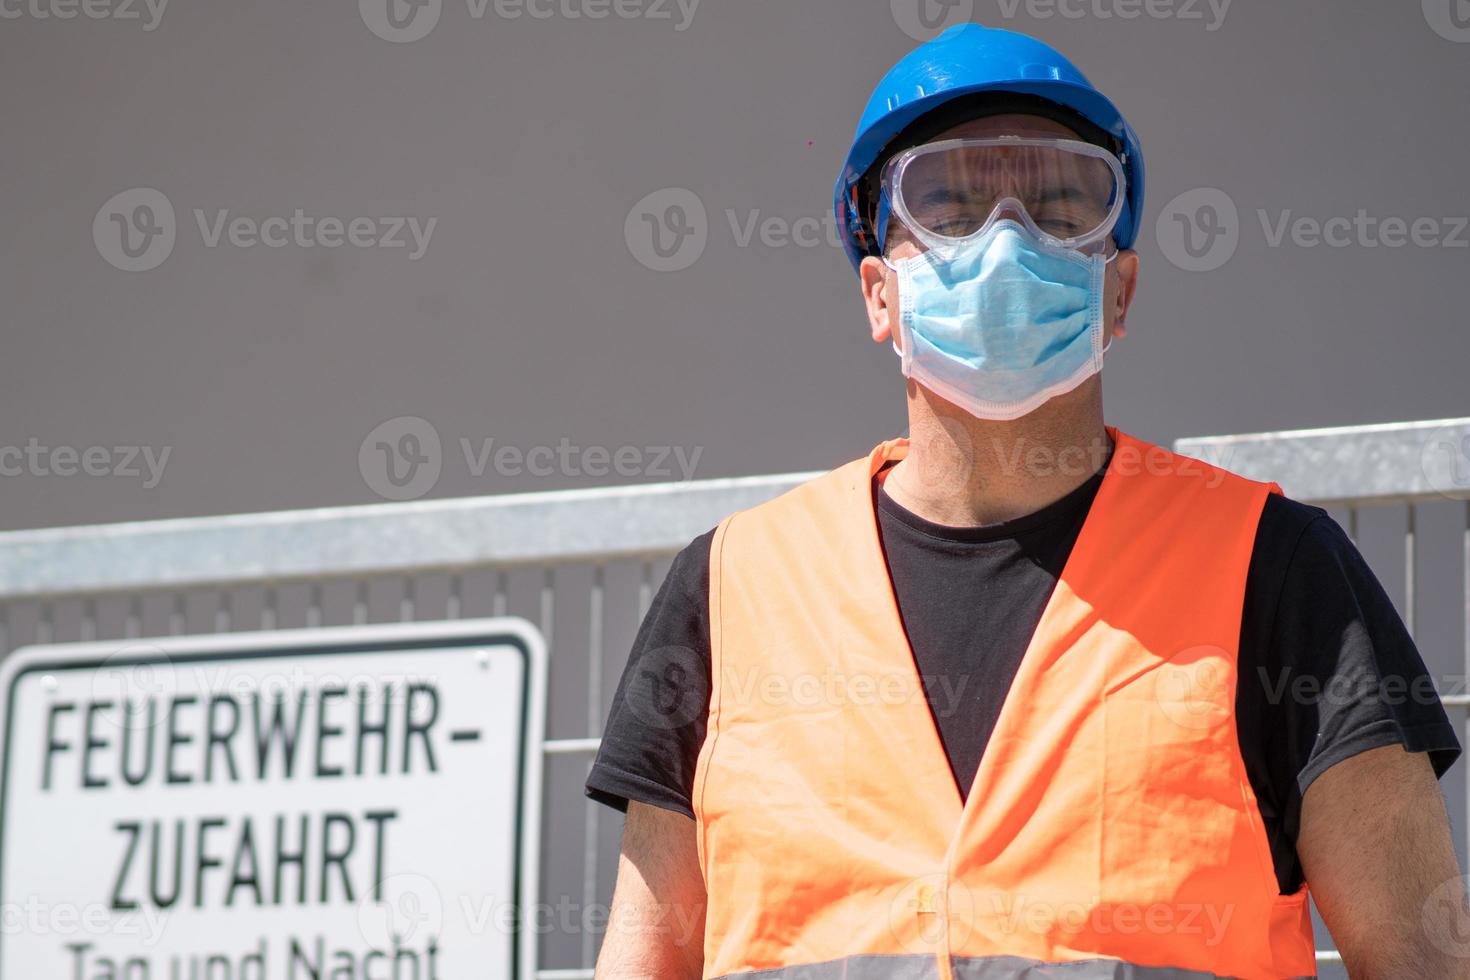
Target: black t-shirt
(1326, 667)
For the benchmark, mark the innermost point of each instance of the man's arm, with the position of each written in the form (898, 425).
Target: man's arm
(655, 930)
(1376, 848)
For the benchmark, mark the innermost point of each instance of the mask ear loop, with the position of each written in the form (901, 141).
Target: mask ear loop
(901, 331)
(1102, 320)
(882, 219)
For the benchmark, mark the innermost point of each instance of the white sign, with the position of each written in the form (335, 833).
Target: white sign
(332, 804)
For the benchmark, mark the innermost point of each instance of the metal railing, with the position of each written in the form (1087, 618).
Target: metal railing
(583, 565)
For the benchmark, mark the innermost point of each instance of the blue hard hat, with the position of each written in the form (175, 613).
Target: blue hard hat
(970, 59)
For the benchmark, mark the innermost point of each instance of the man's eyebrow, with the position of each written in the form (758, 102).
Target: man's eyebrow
(939, 194)
(1069, 192)
(946, 194)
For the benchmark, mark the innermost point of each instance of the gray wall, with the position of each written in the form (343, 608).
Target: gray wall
(530, 318)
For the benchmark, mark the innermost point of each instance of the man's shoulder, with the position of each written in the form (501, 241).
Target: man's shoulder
(1185, 473)
(809, 491)
(1287, 526)
(690, 567)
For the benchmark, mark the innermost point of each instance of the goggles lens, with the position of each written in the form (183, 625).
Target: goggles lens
(943, 193)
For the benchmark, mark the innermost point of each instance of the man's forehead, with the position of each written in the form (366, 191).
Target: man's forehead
(1014, 124)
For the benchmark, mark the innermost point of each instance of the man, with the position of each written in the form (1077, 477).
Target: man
(1020, 696)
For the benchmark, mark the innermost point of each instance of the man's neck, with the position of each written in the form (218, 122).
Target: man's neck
(964, 472)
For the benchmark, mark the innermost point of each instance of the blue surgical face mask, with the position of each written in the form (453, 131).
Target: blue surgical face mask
(1003, 323)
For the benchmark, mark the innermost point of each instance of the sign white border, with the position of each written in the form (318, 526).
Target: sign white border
(501, 631)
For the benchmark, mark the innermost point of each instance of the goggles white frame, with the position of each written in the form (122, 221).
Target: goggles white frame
(892, 182)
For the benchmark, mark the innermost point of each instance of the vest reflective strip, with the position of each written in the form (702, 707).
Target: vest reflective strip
(925, 967)
(881, 967)
(1017, 968)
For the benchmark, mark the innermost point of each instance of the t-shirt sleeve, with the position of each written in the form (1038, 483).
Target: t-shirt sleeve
(1348, 675)
(656, 724)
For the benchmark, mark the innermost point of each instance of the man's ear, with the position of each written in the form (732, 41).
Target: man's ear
(880, 296)
(1125, 267)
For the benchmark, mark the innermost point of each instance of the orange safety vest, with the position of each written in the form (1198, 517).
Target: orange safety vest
(1111, 831)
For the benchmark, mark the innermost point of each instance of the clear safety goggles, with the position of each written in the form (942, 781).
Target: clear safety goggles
(944, 194)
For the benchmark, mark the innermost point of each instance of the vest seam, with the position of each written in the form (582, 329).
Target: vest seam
(1256, 807)
(1265, 860)
(717, 692)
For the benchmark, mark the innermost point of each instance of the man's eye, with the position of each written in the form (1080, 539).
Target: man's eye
(953, 227)
(1066, 222)
(951, 221)
(1061, 227)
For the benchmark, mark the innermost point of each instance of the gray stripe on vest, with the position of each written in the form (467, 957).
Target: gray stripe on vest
(925, 967)
(1020, 968)
(870, 967)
